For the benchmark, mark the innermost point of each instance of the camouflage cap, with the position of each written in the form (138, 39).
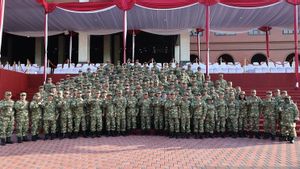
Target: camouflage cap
(269, 92)
(8, 93)
(242, 93)
(23, 94)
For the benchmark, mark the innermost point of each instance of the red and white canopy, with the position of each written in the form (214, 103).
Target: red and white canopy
(26, 17)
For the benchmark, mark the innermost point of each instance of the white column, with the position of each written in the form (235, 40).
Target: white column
(117, 47)
(84, 47)
(106, 48)
(38, 51)
(61, 49)
(185, 47)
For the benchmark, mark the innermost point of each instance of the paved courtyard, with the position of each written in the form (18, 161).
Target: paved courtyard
(150, 152)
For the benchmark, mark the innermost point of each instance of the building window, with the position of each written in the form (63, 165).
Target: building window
(259, 58)
(225, 58)
(194, 58)
(256, 32)
(289, 31)
(224, 34)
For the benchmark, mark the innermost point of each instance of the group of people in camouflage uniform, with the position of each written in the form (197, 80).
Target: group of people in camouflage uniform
(117, 100)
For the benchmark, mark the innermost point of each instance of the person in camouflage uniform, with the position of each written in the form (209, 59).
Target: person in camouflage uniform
(158, 104)
(6, 118)
(22, 120)
(132, 111)
(173, 108)
(66, 117)
(120, 103)
(87, 110)
(145, 112)
(221, 115)
(50, 117)
(96, 114)
(254, 102)
(210, 118)
(289, 118)
(36, 115)
(78, 115)
(185, 116)
(199, 114)
(233, 112)
(109, 110)
(243, 114)
(269, 113)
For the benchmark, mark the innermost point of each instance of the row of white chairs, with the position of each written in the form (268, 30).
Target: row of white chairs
(271, 67)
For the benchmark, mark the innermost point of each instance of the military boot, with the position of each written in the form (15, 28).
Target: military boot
(273, 137)
(250, 134)
(33, 138)
(19, 139)
(291, 140)
(8, 140)
(266, 135)
(25, 138)
(257, 135)
(2, 143)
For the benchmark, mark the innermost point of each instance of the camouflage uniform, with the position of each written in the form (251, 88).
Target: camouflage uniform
(173, 109)
(96, 116)
(157, 104)
(66, 117)
(50, 117)
(289, 117)
(120, 103)
(269, 117)
(254, 104)
(243, 114)
(221, 116)
(22, 119)
(132, 112)
(6, 119)
(78, 115)
(185, 116)
(145, 113)
(109, 109)
(199, 115)
(233, 112)
(210, 117)
(36, 117)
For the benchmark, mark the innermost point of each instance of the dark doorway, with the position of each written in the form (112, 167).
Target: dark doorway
(290, 58)
(18, 48)
(148, 46)
(225, 58)
(193, 58)
(259, 58)
(96, 50)
(74, 47)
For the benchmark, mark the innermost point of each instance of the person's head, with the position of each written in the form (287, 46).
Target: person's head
(287, 99)
(242, 94)
(269, 94)
(23, 96)
(50, 97)
(97, 93)
(158, 94)
(198, 96)
(146, 95)
(277, 92)
(229, 84)
(209, 100)
(172, 95)
(253, 92)
(49, 80)
(60, 93)
(131, 93)
(221, 76)
(284, 93)
(119, 93)
(41, 89)
(186, 96)
(7, 95)
(109, 96)
(37, 96)
(78, 94)
(66, 94)
(221, 95)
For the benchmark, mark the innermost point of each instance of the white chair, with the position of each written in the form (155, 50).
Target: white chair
(255, 64)
(249, 68)
(280, 69)
(289, 70)
(286, 64)
(271, 64)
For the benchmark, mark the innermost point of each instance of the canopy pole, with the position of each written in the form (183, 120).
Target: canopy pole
(198, 46)
(207, 30)
(124, 35)
(133, 45)
(45, 46)
(296, 43)
(70, 49)
(2, 8)
(268, 44)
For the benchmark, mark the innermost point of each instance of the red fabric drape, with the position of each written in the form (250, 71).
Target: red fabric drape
(158, 4)
(293, 2)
